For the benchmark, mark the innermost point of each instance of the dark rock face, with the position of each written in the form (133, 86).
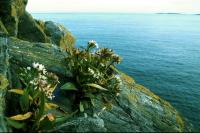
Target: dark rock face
(29, 30)
(10, 11)
(15, 21)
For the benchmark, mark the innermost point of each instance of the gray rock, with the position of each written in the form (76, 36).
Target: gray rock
(136, 109)
(29, 30)
(59, 35)
(3, 82)
(82, 124)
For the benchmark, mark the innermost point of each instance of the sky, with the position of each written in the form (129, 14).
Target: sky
(129, 6)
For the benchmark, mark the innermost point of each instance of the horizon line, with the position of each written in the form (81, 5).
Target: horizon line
(63, 12)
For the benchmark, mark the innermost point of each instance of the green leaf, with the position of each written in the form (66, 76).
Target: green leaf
(24, 101)
(46, 124)
(96, 86)
(115, 69)
(63, 119)
(69, 86)
(49, 106)
(21, 117)
(15, 124)
(20, 92)
(81, 107)
(92, 102)
(40, 111)
(41, 107)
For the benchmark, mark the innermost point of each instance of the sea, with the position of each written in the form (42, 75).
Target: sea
(160, 51)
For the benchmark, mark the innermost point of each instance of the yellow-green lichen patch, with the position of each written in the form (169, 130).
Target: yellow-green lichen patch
(41, 24)
(3, 82)
(155, 98)
(132, 97)
(127, 78)
(180, 121)
(69, 40)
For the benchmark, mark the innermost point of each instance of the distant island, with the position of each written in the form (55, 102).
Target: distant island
(168, 13)
(196, 14)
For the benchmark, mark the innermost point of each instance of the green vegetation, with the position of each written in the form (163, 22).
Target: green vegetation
(94, 73)
(36, 111)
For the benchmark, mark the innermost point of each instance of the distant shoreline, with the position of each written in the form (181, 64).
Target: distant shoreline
(113, 13)
(170, 13)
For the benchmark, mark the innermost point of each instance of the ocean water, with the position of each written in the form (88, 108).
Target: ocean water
(160, 51)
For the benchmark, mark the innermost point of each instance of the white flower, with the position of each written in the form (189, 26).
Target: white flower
(94, 43)
(42, 77)
(44, 71)
(41, 67)
(97, 45)
(51, 97)
(117, 94)
(91, 71)
(35, 65)
(117, 77)
(28, 68)
(32, 82)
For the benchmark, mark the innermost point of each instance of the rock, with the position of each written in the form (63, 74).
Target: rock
(83, 124)
(59, 35)
(136, 109)
(3, 82)
(10, 11)
(29, 30)
(15, 21)
(24, 53)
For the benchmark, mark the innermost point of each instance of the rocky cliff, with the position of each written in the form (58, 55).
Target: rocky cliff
(24, 40)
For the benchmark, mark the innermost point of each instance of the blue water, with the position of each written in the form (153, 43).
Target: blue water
(161, 52)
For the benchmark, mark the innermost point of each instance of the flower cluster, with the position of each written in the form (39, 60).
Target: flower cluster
(108, 53)
(92, 44)
(39, 67)
(93, 73)
(117, 77)
(41, 80)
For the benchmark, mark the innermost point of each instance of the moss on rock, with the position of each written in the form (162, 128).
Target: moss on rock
(3, 82)
(10, 11)
(58, 35)
(2, 28)
(29, 30)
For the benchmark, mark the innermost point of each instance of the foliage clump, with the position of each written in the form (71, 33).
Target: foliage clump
(94, 73)
(36, 110)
